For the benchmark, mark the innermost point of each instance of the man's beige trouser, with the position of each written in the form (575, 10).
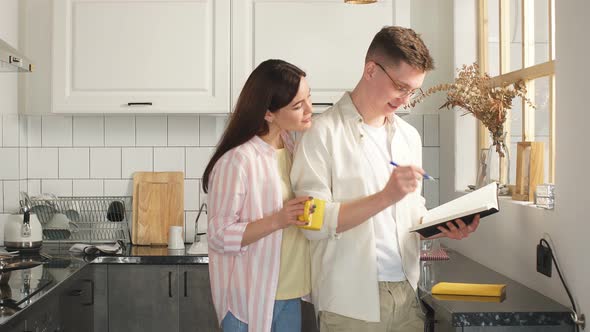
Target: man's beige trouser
(400, 311)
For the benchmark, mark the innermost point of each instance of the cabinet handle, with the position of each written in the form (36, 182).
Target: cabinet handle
(185, 284)
(169, 284)
(322, 104)
(149, 103)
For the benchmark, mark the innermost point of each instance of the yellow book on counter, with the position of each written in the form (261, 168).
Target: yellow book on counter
(453, 288)
(469, 298)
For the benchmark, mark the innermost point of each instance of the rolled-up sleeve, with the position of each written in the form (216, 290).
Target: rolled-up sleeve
(226, 196)
(311, 176)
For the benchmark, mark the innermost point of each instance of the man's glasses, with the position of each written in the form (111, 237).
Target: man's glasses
(403, 91)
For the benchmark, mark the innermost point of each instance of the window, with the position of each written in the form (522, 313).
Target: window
(516, 41)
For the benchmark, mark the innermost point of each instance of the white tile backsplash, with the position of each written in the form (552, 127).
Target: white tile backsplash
(105, 163)
(119, 130)
(118, 187)
(191, 194)
(23, 163)
(431, 130)
(43, 163)
(10, 130)
(417, 121)
(9, 163)
(168, 159)
(151, 130)
(3, 217)
(211, 129)
(430, 157)
(11, 190)
(23, 132)
(431, 194)
(34, 131)
(74, 163)
(183, 130)
(34, 187)
(202, 194)
(140, 143)
(87, 188)
(1, 199)
(57, 187)
(56, 131)
(22, 186)
(88, 131)
(136, 160)
(196, 161)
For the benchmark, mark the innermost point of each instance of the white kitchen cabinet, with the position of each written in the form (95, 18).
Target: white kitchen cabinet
(189, 56)
(140, 56)
(328, 39)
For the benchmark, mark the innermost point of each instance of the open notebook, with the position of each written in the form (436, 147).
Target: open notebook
(483, 201)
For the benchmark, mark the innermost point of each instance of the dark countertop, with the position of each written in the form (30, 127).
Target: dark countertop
(27, 286)
(521, 306)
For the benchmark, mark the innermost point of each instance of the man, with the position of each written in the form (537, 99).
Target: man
(365, 263)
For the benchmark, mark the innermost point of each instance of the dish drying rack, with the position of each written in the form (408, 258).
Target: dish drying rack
(91, 219)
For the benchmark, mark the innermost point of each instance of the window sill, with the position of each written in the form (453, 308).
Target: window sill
(508, 200)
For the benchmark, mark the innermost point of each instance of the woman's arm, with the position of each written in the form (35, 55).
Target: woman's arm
(226, 233)
(285, 217)
(227, 191)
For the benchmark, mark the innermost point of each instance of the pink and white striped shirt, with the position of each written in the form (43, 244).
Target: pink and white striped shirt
(244, 187)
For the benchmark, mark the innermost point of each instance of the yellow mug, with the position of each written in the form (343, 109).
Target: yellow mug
(315, 219)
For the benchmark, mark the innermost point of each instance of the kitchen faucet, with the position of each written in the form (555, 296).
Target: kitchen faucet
(199, 247)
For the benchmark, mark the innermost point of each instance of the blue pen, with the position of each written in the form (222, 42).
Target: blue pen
(426, 176)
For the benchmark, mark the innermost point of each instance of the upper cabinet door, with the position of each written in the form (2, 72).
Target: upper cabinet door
(141, 56)
(328, 39)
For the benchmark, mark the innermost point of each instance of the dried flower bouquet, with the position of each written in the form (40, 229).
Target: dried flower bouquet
(475, 93)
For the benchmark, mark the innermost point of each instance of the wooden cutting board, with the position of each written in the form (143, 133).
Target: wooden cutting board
(158, 203)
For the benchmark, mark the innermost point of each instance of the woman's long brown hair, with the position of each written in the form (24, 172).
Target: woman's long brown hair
(270, 87)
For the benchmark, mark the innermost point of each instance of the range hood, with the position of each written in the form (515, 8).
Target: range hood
(12, 60)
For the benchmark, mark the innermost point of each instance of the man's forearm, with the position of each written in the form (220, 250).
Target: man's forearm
(354, 213)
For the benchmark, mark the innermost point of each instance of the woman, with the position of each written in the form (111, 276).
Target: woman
(258, 258)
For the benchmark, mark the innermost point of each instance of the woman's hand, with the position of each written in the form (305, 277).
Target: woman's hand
(290, 212)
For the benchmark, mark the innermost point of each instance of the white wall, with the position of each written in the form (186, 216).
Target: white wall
(9, 33)
(433, 20)
(10, 165)
(506, 242)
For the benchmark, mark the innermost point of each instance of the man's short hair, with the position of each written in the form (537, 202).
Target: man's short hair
(394, 44)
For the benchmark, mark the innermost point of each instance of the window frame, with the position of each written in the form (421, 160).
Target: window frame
(528, 73)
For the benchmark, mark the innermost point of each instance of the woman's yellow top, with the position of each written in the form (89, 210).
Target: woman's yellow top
(294, 271)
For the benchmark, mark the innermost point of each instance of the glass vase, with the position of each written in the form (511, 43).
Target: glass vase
(497, 166)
